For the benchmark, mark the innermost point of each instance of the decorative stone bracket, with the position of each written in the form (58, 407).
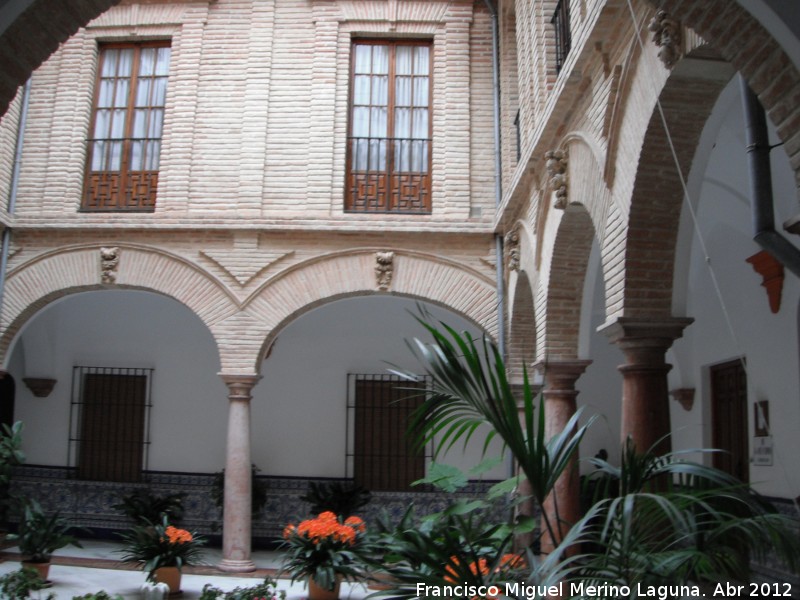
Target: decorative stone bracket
(668, 37)
(511, 243)
(556, 166)
(384, 269)
(109, 261)
(772, 273)
(39, 386)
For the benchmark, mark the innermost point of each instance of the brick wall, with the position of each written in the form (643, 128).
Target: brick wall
(249, 229)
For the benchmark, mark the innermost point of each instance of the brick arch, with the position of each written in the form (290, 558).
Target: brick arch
(35, 33)
(560, 315)
(522, 329)
(433, 279)
(656, 201)
(742, 41)
(46, 278)
(587, 184)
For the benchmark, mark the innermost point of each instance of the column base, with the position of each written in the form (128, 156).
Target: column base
(236, 566)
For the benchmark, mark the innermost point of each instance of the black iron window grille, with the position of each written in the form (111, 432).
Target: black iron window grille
(380, 454)
(563, 35)
(110, 423)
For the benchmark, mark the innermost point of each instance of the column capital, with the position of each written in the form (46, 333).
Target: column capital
(645, 399)
(240, 384)
(563, 372)
(652, 332)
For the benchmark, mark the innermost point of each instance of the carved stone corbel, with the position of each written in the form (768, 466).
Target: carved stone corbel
(556, 166)
(109, 261)
(668, 37)
(511, 243)
(684, 397)
(384, 269)
(39, 386)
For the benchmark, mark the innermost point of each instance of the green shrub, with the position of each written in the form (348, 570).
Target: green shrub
(263, 591)
(18, 585)
(142, 505)
(339, 497)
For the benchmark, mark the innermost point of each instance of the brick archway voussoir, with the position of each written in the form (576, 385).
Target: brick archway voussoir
(36, 33)
(748, 46)
(35, 284)
(560, 328)
(429, 278)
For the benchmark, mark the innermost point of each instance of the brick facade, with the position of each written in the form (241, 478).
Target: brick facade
(250, 230)
(249, 213)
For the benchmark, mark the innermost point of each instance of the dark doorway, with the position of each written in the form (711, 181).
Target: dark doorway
(7, 392)
(729, 418)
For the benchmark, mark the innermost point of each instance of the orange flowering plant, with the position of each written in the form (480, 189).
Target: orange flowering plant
(161, 545)
(323, 548)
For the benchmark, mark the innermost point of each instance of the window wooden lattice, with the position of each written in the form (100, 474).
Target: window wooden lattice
(109, 423)
(380, 454)
(563, 34)
(127, 118)
(389, 139)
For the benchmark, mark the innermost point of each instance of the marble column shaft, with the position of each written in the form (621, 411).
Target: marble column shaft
(645, 391)
(236, 525)
(562, 507)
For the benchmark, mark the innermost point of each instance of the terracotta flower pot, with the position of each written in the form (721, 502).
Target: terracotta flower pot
(317, 592)
(42, 568)
(380, 580)
(171, 576)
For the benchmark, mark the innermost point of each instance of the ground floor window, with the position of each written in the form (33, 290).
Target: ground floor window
(109, 422)
(380, 455)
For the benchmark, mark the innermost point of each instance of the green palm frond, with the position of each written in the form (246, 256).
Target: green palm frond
(469, 388)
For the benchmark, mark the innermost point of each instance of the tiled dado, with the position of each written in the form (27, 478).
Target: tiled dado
(89, 503)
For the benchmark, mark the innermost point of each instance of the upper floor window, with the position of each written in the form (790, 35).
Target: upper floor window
(127, 117)
(563, 34)
(389, 142)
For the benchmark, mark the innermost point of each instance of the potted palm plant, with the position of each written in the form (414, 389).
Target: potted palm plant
(342, 498)
(658, 521)
(39, 535)
(162, 550)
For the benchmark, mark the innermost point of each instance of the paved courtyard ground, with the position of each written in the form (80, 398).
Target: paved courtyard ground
(78, 571)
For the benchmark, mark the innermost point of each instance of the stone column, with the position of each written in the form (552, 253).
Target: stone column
(527, 507)
(236, 525)
(645, 393)
(563, 505)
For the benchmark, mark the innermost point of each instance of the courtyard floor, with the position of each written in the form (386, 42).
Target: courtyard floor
(96, 566)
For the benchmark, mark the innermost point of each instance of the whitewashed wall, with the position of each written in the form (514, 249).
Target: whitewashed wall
(125, 329)
(768, 341)
(298, 408)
